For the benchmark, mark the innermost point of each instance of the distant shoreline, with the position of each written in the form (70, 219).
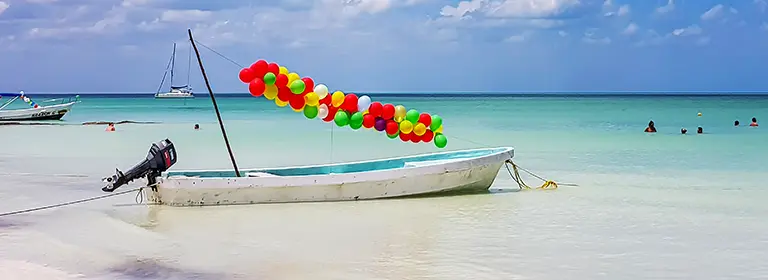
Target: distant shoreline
(448, 94)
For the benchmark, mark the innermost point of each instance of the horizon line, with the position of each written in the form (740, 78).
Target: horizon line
(460, 93)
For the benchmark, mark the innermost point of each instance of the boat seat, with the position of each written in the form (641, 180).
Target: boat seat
(425, 163)
(260, 174)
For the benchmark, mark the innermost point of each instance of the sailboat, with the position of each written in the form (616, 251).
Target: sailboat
(183, 91)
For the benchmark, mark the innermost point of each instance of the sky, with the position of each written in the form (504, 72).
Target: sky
(105, 46)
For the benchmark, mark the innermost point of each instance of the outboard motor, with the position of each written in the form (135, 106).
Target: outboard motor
(161, 156)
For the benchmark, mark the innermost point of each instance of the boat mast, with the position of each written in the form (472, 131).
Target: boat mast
(173, 62)
(213, 99)
(189, 63)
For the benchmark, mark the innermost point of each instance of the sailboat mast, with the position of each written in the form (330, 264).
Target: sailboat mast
(173, 62)
(189, 63)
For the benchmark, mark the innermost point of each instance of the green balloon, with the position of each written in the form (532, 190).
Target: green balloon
(437, 121)
(440, 140)
(270, 78)
(393, 136)
(341, 118)
(356, 120)
(310, 111)
(413, 116)
(298, 86)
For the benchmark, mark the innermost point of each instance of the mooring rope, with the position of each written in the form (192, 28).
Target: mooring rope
(139, 189)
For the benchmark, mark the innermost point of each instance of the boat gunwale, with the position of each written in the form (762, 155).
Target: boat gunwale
(40, 108)
(179, 175)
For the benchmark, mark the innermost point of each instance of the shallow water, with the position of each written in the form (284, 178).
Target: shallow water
(646, 206)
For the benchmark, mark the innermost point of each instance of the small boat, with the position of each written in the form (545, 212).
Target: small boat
(459, 172)
(184, 91)
(36, 112)
(464, 171)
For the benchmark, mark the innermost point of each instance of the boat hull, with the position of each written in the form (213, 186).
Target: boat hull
(54, 112)
(427, 178)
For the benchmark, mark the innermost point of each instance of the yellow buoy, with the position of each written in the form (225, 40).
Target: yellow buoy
(699, 114)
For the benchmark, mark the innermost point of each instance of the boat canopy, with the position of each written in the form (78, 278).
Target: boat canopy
(21, 96)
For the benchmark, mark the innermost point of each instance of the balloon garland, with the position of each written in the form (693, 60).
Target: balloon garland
(285, 88)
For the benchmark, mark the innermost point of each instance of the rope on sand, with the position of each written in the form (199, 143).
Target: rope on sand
(72, 202)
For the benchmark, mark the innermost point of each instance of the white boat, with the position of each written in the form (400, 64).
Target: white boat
(36, 112)
(465, 171)
(184, 91)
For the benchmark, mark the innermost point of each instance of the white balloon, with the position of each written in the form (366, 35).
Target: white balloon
(321, 90)
(322, 110)
(363, 103)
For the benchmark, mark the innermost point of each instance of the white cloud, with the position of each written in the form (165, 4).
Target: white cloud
(591, 38)
(669, 7)
(509, 8)
(630, 29)
(713, 13)
(3, 6)
(41, 1)
(134, 3)
(562, 33)
(184, 15)
(623, 10)
(688, 31)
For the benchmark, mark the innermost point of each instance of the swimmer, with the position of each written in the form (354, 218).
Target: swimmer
(110, 127)
(651, 127)
(700, 130)
(754, 122)
(197, 126)
(683, 130)
(736, 123)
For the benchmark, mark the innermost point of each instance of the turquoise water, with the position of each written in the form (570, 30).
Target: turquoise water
(661, 205)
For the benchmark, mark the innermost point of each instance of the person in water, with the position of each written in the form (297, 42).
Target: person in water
(683, 130)
(736, 123)
(700, 130)
(754, 122)
(110, 127)
(197, 126)
(651, 127)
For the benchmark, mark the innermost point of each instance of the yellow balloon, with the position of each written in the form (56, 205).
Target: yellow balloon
(312, 99)
(270, 92)
(419, 129)
(292, 77)
(439, 129)
(337, 99)
(280, 103)
(399, 113)
(283, 70)
(406, 126)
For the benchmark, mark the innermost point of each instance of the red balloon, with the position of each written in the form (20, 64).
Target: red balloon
(350, 103)
(297, 101)
(272, 68)
(427, 137)
(426, 119)
(392, 127)
(388, 111)
(405, 137)
(376, 109)
(281, 80)
(284, 94)
(369, 120)
(257, 87)
(415, 138)
(309, 84)
(326, 100)
(247, 75)
(331, 113)
(259, 68)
